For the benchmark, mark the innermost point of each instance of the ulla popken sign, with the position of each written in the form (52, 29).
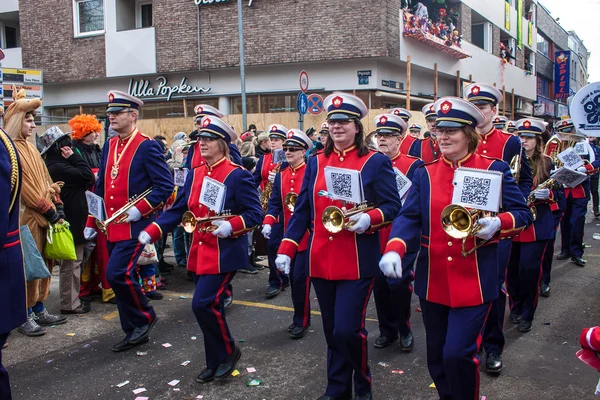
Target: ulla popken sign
(142, 88)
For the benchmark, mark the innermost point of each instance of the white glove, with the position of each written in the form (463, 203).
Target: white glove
(89, 233)
(144, 238)
(223, 230)
(391, 265)
(272, 176)
(266, 231)
(490, 225)
(582, 169)
(133, 215)
(283, 263)
(542, 194)
(362, 222)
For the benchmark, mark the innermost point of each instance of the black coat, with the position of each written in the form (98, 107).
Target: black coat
(91, 153)
(77, 176)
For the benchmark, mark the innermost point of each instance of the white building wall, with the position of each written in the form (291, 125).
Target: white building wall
(9, 5)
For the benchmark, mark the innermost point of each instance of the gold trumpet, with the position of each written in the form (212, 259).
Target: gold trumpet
(515, 166)
(335, 219)
(290, 200)
(547, 184)
(121, 214)
(268, 190)
(560, 146)
(189, 221)
(460, 223)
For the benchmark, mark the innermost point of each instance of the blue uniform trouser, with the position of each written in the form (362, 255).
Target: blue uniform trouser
(572, 225)
(392, 300)
(343, 308)
(208, 308)
(549, 255)
(524, 275)
(493, 336)
(300, 289)
(179, 249)
(276, 277)
(134, 309)
(453, 338)
(4, 382)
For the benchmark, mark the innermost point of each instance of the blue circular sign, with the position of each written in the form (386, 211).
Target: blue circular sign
(302, 103)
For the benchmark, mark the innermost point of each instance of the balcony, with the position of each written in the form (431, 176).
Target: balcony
(13, 58)
(431, 35)
(9, 6)
(131, 52)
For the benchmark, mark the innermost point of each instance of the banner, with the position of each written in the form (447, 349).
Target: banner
(520, 24)
(562, 67)
(507, 16)
(530, 34)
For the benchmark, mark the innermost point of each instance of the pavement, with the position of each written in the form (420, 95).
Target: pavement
(74, 361)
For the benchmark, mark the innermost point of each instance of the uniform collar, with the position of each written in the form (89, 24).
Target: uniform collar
(397, 156)
(302, 164)
(460, 163)
(216, 164)
(344, 152)
(485, 135)
(126, 138)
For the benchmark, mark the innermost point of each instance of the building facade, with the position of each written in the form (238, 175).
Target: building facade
(174, 54)
(579, 61)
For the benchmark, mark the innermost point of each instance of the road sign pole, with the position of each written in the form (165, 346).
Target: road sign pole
(301, 121)
(242, 65)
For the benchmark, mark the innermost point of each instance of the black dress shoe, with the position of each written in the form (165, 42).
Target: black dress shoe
(525, 326)
(78, 310)
(578, 261)
(272, 291)
(493, 363)
(155, 296)
(545, 290)
(228, 365)
(291, 327)
(227, 302)
(124, 345)
(515, 318)
(384, 341)
(141, 333)
(563, 256)
(298, 332)
(207, 375)
(407, 342)
(366, 396)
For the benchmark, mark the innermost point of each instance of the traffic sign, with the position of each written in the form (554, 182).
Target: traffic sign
(302, 103)
(315, 104)
(303, 81)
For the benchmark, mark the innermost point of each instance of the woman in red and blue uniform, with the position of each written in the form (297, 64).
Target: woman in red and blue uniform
(341, 265)
(289, 180)
(214, 256)
(529, 247)
(455, 291)
(393, 295)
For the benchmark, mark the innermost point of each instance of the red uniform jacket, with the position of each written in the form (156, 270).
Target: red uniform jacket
(407, 142)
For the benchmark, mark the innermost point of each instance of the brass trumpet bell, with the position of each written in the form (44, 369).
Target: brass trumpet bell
(190, 222)
(460, 223)
(335, 219)
(290, 200)
(121, 215)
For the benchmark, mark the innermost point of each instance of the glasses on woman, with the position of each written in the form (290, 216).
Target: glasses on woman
(446, 132)
(341, 122)
(291, 149)
(207, 139)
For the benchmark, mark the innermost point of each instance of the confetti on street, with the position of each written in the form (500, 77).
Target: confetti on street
(235, 373)
(174, 382)
(120, 385)
(139, 390)
(185, 363)
(167, 345)
(251, 369)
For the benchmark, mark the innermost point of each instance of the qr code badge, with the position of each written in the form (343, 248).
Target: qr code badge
(570, 158)
(212, 194)
(475, 191)
(342, 184)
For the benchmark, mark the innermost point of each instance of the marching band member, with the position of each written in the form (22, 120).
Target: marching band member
(265, 171)
(415, 130)
(511, 128)
(407, 140)
(288, 182)
(341, 265)
(573, 223)
(194, 158)
(456, 292)
(501, 145)
(392, 295)
(427, 149)
(500, 122)
(525, 264)
(216, 255)
(132, 163)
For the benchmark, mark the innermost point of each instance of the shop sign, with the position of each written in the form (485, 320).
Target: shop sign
(544, 107)
(562, 72)
(392, 84)
(141, 88)
(22, 75)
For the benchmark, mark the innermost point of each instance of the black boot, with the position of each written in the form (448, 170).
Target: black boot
(254, 263)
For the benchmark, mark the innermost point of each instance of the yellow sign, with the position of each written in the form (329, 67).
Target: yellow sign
(22, 75)
(530, 35)
(507, 15)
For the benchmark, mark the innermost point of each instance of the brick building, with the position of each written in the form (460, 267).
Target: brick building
(174, 54)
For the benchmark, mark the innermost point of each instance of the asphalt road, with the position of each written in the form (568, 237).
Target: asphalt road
(74, 361)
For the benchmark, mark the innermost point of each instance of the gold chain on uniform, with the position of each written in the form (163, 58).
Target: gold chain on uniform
(14, 163)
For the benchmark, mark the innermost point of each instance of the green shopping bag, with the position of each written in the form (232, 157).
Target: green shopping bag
(60, 245)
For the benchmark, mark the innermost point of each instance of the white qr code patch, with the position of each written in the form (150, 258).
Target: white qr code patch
(478, 188)
(342, 184)
(212, 194)
(475, 190)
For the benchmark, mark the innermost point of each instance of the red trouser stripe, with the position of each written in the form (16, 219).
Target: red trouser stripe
(129, 283)
(364, 361)
(216, 306)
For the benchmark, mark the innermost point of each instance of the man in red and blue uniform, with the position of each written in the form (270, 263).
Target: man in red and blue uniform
(500, 122)
(288, 182)
(577, 198)
(427, 149)
(497, 144)
(265, 171)
(13, 312)
(393, 295)
(407, 140)
(132, 163)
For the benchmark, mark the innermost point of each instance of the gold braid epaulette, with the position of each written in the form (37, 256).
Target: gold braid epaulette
(14, 163)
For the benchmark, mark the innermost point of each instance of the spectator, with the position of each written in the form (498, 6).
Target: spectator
(252, 128)
(69, 167)
(162, 141)
(262, 145)
(85, 130)
(179, 151)
(179, 136)
(41, 205)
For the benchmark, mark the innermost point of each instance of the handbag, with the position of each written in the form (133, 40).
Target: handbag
(60, 244)
(35, 267)
(148, 255)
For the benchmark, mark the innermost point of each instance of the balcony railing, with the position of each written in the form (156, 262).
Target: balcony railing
(434, 35)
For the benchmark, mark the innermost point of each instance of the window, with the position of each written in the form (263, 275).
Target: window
(481, 35)
(143, 14)
(88, 17)
(543, 45)
(10, 37)
(544, 86)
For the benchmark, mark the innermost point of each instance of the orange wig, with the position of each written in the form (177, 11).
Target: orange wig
(84, 124)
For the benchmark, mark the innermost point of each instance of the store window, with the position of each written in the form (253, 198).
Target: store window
(191, 103)
(544, 87)
(251, 105)
(88, 17)
(274, 103)
(162, 109)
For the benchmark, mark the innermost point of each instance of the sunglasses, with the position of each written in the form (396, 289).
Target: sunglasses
(292, 149)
